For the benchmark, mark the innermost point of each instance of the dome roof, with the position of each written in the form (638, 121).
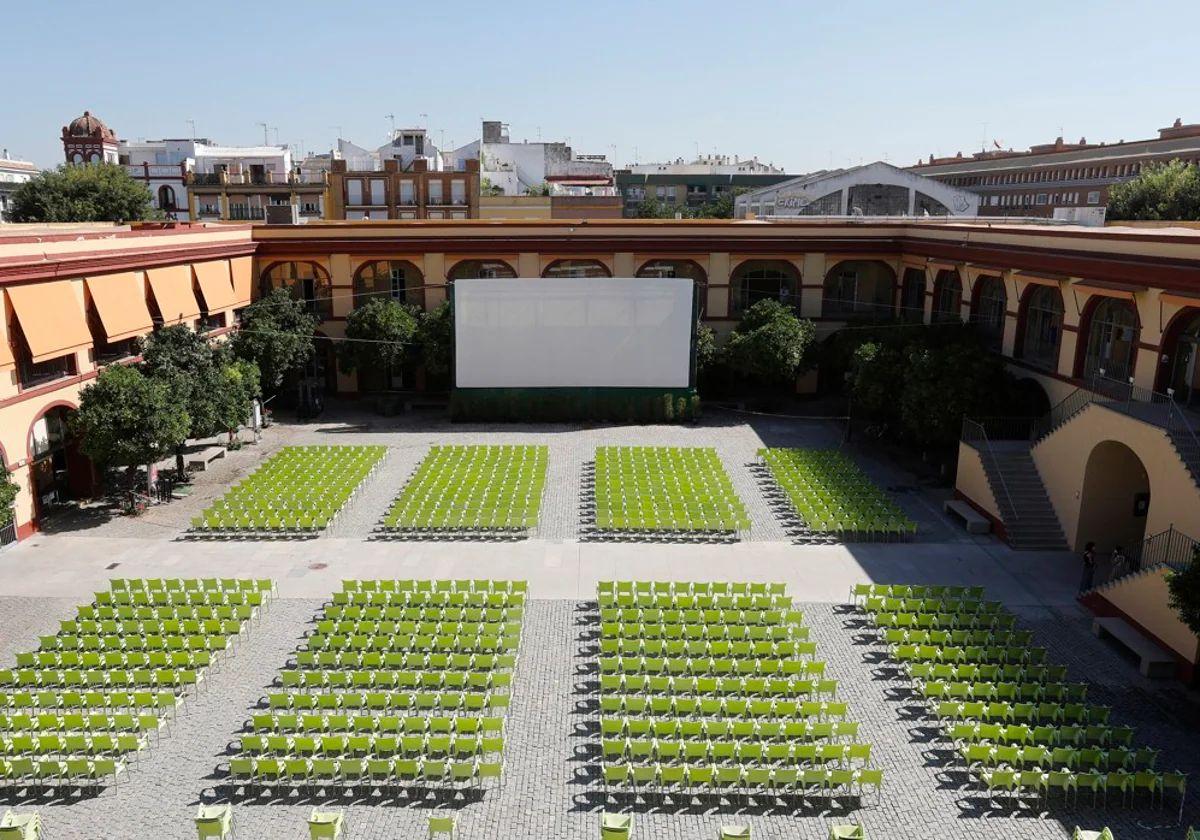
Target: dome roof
(88, 126)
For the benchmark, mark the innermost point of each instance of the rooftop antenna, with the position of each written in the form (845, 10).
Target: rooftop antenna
(424, 120)
(192, 123)
(338, 129)
(697, 142)
(266, 139)
(539, 131)
(392, 118)
(275, 128)
(635, 154)
(983, 139)
(442, 132)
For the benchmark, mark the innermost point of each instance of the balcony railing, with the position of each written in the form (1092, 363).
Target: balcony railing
(244, 213)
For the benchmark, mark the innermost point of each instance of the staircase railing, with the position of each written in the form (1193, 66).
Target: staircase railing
(973, 432)
(1064, 410)
(1178, 423)
(1170, 548)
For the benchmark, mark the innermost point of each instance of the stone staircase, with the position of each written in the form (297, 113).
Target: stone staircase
(1188, 448)
(1029, 518)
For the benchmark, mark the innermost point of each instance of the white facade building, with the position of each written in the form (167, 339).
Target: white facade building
(507, 168)
(13, 173)
(707, 165)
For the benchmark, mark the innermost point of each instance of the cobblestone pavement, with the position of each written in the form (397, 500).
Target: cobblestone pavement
(735, 437)
(550, 789)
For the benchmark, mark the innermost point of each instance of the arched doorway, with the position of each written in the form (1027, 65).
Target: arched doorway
(859, 289)
(988, 306)
(680, 268)
(58, 471)
(307, 281)
(576, 268)
(757, 280)
(1114, 500)
(1179, 364)
(1039, 327)
(166, 198)
(912, 296)
(1110, 350)
(480, 268)
(947, 297)
(398, 280)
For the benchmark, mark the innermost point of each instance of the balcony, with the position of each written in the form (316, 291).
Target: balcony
(245, 213)
(204, 179)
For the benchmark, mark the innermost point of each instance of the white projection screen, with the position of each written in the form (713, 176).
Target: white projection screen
(618, 332)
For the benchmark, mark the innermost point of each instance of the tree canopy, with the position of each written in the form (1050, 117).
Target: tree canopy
(378, 332)
(1160, 192)
(276, 335)
(770, 342)
(92, 193)
(1184, 589)
(127, 418)
(434, 339)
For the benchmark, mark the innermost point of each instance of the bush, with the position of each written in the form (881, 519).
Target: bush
(770, 343)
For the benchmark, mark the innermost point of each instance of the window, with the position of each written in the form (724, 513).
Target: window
(166, 197)
(576, 268)
(947, 297)
(406, 192)
(435, 193)
(32, 374)
(458, 191)
(397, 279)
(989, 310)
(377, 191)
(1041, 198)
(354, 192)
(1112, 340)
(307, 281)
(208, 323)
(763, 280)
(1093, 197)
(1042, 333)
(480, 268)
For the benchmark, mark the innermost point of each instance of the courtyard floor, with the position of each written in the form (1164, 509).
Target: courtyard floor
(551, 788)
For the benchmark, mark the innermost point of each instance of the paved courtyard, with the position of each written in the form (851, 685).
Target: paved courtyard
(550, 788)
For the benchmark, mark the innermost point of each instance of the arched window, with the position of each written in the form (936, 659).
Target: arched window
(1040, 328)
(947, 297)
(1112, 337)
(480, 268)
(166, 197)
(396, 279)
(757, 280)
(680, 268)
(912, 296)
(306, 281)
(987, 310)
(859, 289)
(1180, 371)
(576, 268)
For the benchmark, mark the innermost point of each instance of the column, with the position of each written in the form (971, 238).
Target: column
(812, 284)
(341, 277)
(529, 265)
(1070, 336)
(623, 264)
(717, 305)
(434, 270)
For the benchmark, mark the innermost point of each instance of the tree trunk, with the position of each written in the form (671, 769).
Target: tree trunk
(179, 461)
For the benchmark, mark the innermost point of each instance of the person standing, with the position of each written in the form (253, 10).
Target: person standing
(1089, 567)
(1118, 563)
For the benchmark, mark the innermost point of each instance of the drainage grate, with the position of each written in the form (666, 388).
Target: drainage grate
(112, 566)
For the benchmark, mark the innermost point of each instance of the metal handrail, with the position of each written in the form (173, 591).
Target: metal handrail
(999, 472)
(1172, 410)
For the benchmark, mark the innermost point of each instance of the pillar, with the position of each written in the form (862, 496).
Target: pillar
(623, 264)
(812, 284)
(717, 305)
(930, 276)
(1151, 320)
(529, 265)
(341, 276)
(1070, 336)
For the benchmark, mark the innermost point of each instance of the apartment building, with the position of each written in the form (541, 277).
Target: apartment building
(692, 184)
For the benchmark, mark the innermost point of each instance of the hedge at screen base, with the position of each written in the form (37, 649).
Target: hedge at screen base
(644, 405)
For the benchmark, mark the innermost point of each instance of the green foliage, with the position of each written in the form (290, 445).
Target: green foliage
(92, 193)
(1184, 589)
(127, 418)
(668, 408)
(1160, 192)
(379, 331)
(8, 495)
(720, 208)
(276, 335)
(651, 209)
(706, 348)
(942, 386)
(183, 360)
(875, 371)
(238, 387)
(434, 338)
(770, 343)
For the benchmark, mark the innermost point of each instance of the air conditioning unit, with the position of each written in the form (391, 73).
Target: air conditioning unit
(283, 214)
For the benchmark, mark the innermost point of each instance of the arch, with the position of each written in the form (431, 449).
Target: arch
(756, 280)
(1108, 339)
(679, 268)
(947, 297)
(398, 280)
(480, 268)
(58, 469)
(912, 295)
(859, 289)
(576, 268)
(305, 279)
(166, 197)
(1114, 501)
(1179, 360)
(1039, 326)
(1030, 398)
(989, 304)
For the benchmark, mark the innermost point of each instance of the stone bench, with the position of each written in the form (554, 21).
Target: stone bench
(200, 459)
(976, 523)
(1154, 662)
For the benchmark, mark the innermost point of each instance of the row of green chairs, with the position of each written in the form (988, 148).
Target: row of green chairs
(859, 592)
(721, 752)
(1041, 784)
(702, 778)
(42, 774)
(687, 707)
(1066, 758)
(800, 729)
(328, 774)
(688, 587)
(261, 585)
(372, 746)
(318, 724)
(416, 598)
(476, 585)
(334, 699)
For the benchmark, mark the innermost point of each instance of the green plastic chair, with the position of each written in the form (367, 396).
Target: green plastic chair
(733, 832)
(1083, 834)
(324, 825)
(21, 826)
(615, 826)
(214, 821)
(441, 825)
(847, 831)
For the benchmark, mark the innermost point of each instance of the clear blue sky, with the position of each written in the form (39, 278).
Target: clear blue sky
(798, 83)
